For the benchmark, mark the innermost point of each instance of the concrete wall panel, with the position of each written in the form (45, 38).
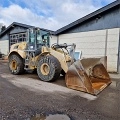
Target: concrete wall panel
(4, 46)
(53, 39)
(112, 49)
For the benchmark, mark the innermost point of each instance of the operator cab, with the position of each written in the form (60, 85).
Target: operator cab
(37, 38)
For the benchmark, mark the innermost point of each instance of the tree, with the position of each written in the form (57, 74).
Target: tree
(3, 28)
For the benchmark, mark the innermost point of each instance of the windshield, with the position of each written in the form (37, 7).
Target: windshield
(38, 38)
(43, 37)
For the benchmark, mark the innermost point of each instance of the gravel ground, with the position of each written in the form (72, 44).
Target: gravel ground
(23, 97)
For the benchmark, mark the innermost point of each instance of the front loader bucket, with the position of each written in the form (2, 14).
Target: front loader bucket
(88, 75)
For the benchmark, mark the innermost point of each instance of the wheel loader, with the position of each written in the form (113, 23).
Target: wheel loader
(88, 75)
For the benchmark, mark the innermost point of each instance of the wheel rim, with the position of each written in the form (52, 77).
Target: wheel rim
(13, 65)
(45, 69)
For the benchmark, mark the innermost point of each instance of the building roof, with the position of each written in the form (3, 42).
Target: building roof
(21, 25)
(82, 20)
(96, 14)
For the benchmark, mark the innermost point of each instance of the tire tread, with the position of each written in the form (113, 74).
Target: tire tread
(20, 62)
(54, 61)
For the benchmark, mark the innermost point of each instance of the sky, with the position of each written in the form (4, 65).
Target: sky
(49, 14)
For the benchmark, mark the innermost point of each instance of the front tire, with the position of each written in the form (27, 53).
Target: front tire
(48, 68)
(16, 64)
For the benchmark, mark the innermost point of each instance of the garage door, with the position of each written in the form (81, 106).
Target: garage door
(15, 38)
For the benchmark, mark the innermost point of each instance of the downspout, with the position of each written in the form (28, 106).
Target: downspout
(106, 39)
(57, 39)
(8, 41)
(118, 61)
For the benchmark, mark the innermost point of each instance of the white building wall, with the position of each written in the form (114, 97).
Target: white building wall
(93, 44)
(4, 46)
(53, 39)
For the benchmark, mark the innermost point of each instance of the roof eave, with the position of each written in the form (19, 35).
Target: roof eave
(89, 16)
(21, 25)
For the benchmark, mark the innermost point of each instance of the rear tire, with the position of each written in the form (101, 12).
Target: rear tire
(16, 64)
(48, 68)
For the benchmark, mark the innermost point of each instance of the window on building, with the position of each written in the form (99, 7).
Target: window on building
(16, 38)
